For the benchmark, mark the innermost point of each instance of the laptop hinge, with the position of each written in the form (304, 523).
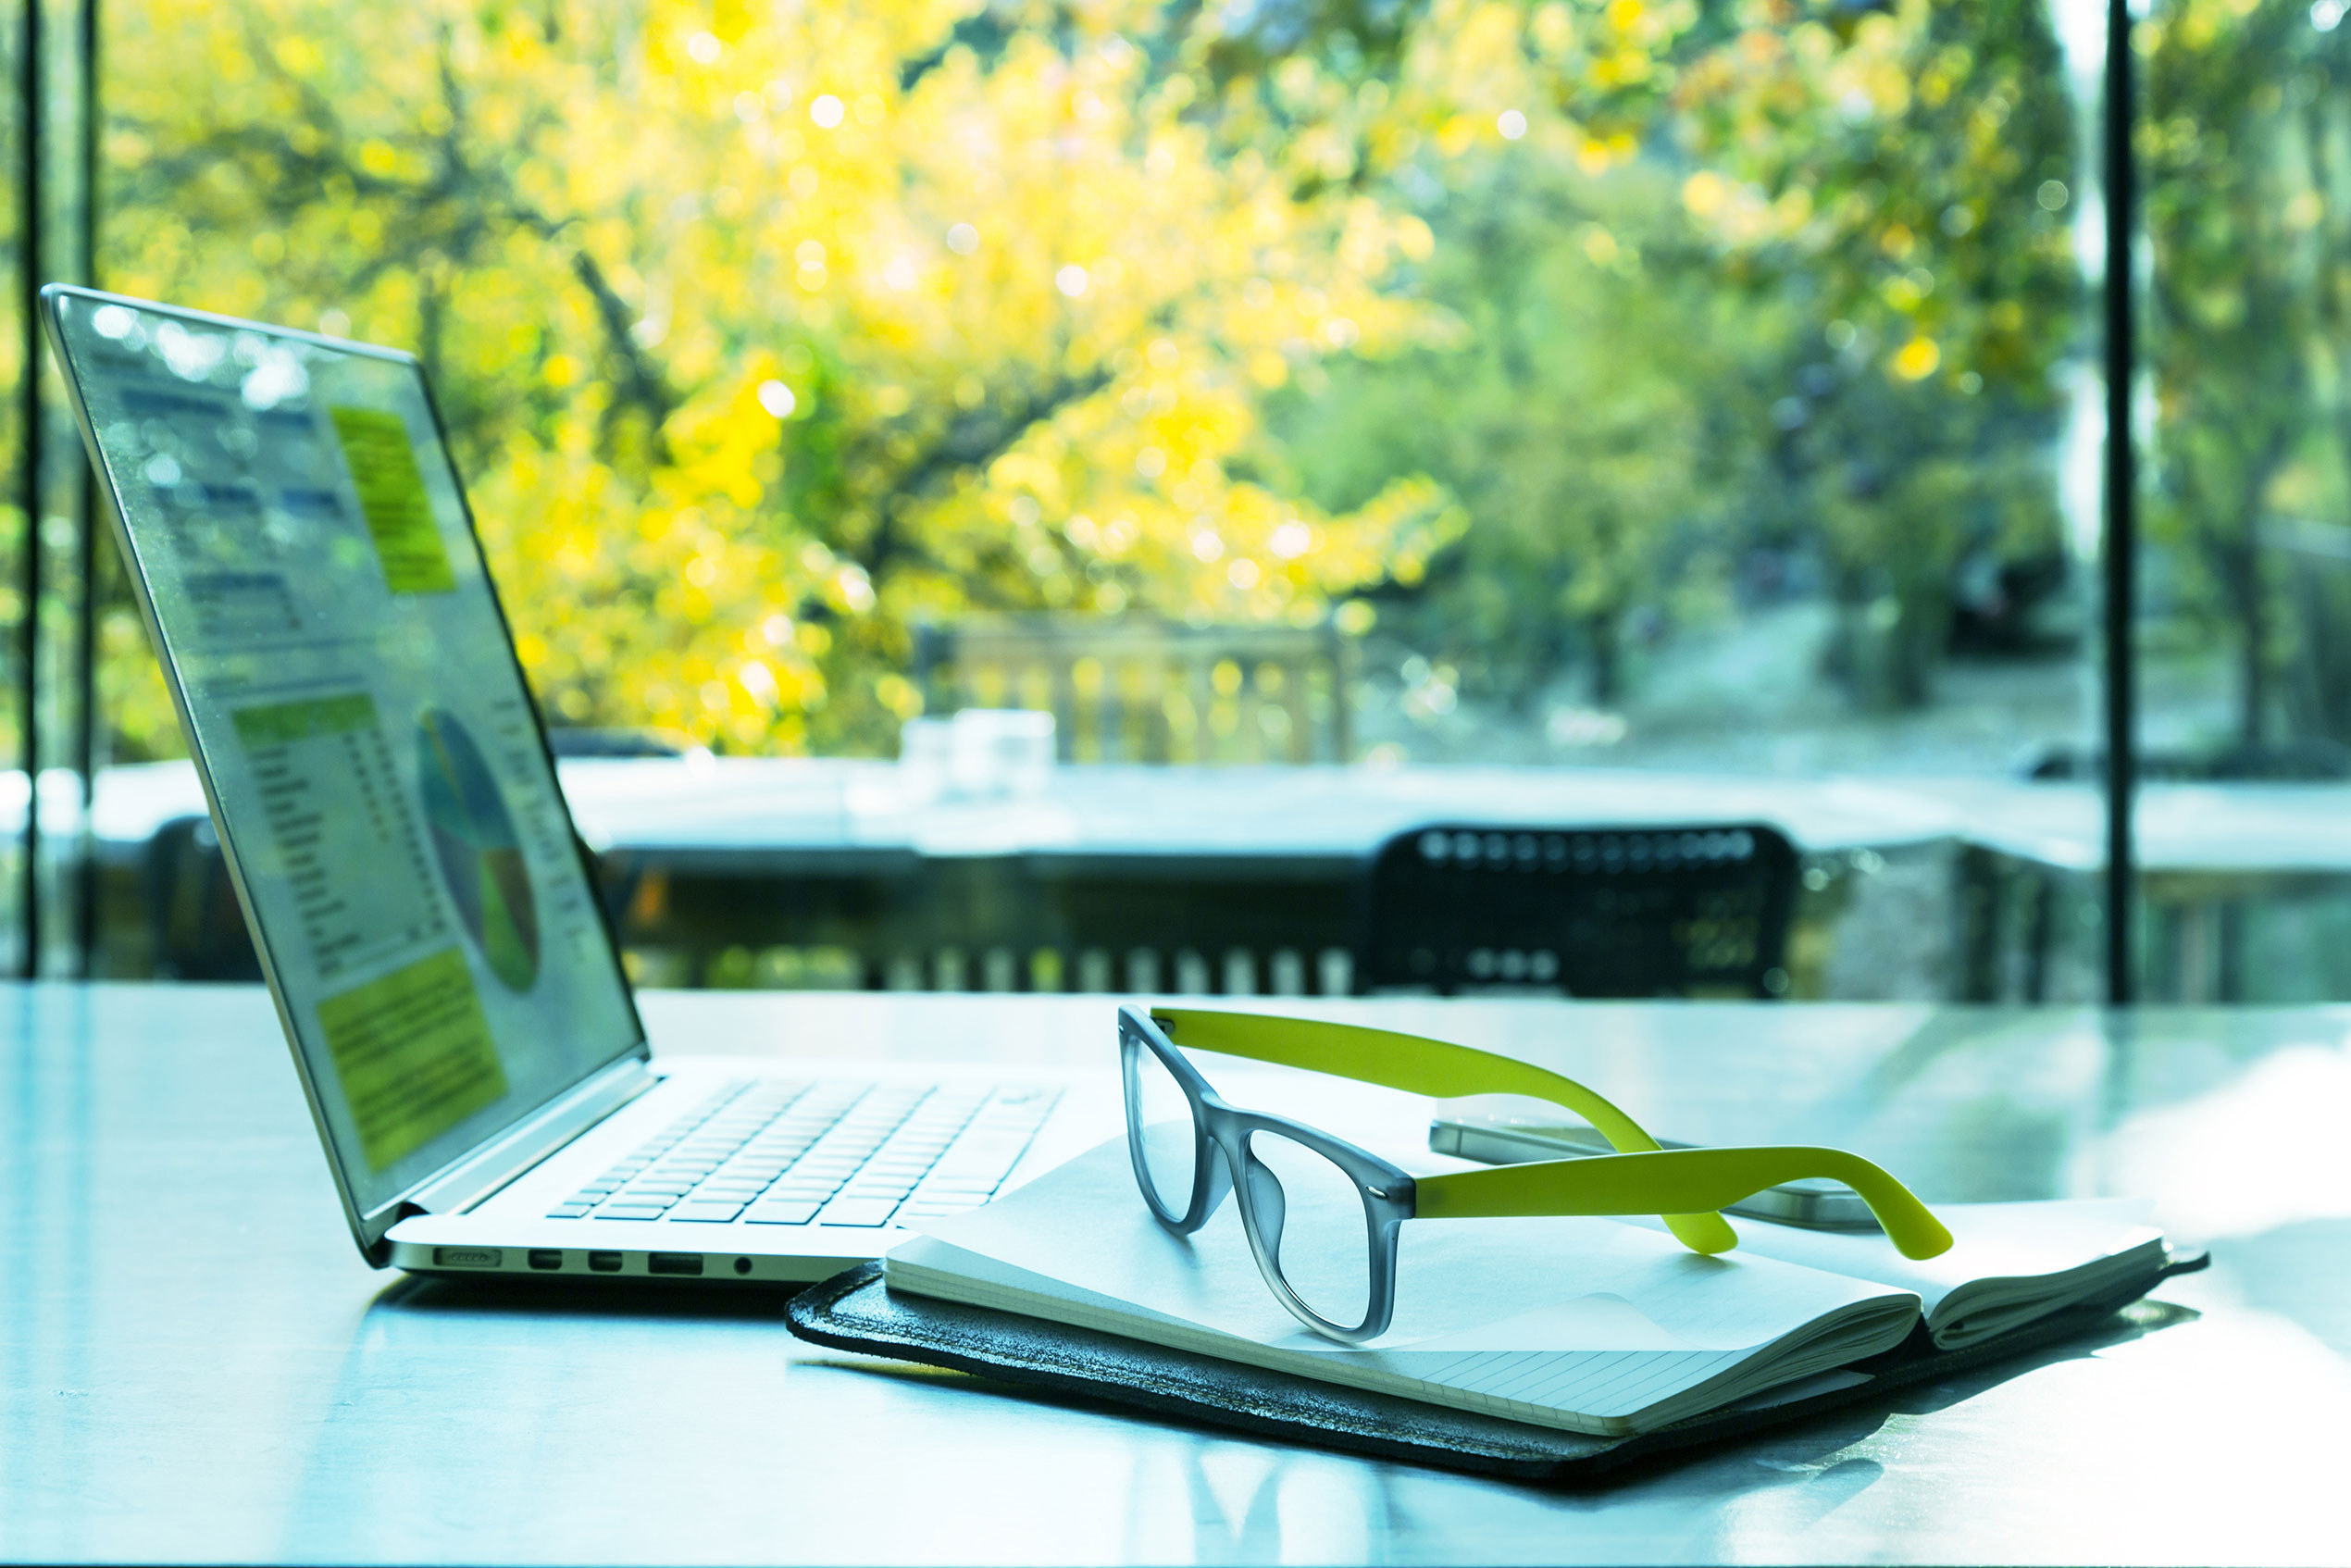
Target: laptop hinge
(476, 1178)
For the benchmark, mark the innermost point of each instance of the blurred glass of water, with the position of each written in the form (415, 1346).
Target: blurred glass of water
(980, 754)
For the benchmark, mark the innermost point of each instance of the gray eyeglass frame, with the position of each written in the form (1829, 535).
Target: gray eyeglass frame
(1218, 1126)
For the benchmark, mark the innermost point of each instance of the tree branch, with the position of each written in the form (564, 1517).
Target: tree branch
(972, 441)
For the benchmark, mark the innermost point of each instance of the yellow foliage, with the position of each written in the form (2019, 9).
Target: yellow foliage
(760, 346)
(1916, 360)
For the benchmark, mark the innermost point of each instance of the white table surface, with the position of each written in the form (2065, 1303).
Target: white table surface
(196, 1367)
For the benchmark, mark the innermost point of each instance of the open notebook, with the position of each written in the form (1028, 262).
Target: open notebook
(1597, 1326)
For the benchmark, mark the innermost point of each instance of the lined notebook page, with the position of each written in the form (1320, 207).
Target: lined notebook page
(1578, 1322)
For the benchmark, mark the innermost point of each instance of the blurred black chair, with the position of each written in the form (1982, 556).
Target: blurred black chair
(192, 914)
(1601, 912)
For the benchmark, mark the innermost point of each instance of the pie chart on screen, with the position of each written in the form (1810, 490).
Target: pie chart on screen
(473, 837)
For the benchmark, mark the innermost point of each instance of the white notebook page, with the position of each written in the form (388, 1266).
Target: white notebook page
(2008, 1262)
(1572, 1315)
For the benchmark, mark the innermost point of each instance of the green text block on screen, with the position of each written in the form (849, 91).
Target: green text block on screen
(391, 493)
(414, 1054)
(281, 724)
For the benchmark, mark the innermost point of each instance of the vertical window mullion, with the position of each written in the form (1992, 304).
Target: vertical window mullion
(2121, 555)
(30, 197)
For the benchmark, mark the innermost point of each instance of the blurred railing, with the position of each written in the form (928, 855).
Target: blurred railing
(813, 874)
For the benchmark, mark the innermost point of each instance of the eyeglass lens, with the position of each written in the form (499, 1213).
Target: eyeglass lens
(1310, 1218)
(1161, 1115)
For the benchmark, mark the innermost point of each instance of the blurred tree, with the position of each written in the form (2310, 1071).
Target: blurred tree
(1898, 174)
(1760, 274)
(752, 363)
(2246, 147)
(1572, 412)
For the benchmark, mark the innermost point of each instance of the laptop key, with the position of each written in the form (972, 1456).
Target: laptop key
(781, 1213)
(962, 1198)
(863, 1212)
(705, 1213)
(628, 1211)
(890, 1190)
(568, 1211)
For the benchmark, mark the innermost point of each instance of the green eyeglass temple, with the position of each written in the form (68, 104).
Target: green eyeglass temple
(1682, 1186)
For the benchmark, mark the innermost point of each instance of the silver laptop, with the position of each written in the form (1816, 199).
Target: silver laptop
(423, 909)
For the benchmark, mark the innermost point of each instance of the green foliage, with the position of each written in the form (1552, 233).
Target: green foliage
(1578, 411)
(2246, 147)
(1818, 311)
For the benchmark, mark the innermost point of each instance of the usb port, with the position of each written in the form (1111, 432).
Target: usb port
(545, 1257)
(604, 1263)
(674, 1263)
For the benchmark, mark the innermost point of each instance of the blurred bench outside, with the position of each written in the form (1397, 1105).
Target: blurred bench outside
(1157, 693)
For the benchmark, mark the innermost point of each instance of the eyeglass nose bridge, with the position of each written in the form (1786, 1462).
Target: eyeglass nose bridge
(1218, 1186)
(1269, 1206)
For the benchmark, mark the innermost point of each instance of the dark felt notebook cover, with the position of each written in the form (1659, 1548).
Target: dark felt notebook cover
(855, 1312)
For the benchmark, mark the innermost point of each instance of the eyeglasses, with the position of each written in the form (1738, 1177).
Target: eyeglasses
(1321, 1215)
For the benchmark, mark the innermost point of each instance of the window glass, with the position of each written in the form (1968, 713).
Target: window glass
(2246, 627)
(1639, 385)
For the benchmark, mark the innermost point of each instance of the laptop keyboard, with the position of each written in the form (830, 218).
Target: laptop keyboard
(765, 1152)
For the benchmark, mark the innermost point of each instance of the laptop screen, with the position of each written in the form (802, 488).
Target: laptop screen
(351, 692)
